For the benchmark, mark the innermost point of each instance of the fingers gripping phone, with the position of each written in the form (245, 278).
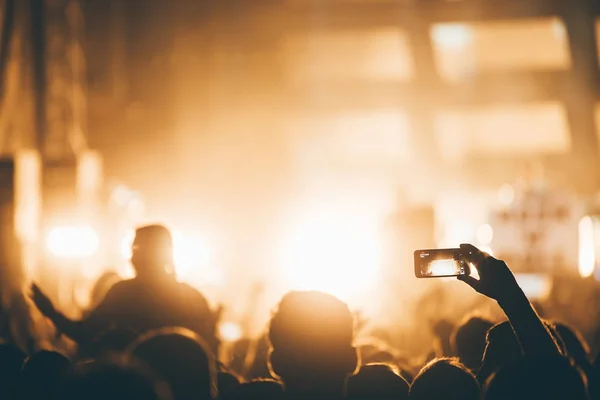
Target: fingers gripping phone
(440, 263)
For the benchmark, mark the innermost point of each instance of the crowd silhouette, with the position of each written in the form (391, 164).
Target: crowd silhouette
(152, 337)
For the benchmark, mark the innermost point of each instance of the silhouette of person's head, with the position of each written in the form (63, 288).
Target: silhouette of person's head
(577, 348)
(502, 348)
(96, 381)
(469, 340)
(11, 361)
(379, 381)
(548, 378)
(181, 358)
(575, 345)
(266, 389)
(312, 336)
(447, 379)
(152, 250)
(43, 375)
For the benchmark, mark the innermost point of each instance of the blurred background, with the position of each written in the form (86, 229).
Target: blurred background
(303, 145)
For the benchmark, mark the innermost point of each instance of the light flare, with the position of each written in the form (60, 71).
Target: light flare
(587, 248)
(72, 242)
(230, 331)
(191, 255)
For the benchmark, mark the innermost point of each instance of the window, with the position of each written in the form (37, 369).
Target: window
(507, 130)
(381, 54)
(462, 50)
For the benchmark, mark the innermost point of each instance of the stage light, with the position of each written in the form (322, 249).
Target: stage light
(72, 242)
(587, 249)
(230, 332)
(341, 256)
(452, 36)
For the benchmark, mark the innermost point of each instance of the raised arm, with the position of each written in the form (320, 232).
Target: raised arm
(498, 282)
(78, 331)
(73, 329)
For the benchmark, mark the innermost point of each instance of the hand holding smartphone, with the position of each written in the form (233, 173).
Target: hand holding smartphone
(440, 263)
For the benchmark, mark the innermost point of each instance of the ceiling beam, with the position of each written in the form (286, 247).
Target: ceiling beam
(341, 15)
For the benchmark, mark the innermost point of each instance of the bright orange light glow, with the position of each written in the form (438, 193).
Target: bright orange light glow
(341, 256)
(191, 255)
(73, 242)
(452, 36)
(587, 250)
(230, 332)
(126, 244)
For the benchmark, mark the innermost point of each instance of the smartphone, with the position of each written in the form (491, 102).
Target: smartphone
(440, 263)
